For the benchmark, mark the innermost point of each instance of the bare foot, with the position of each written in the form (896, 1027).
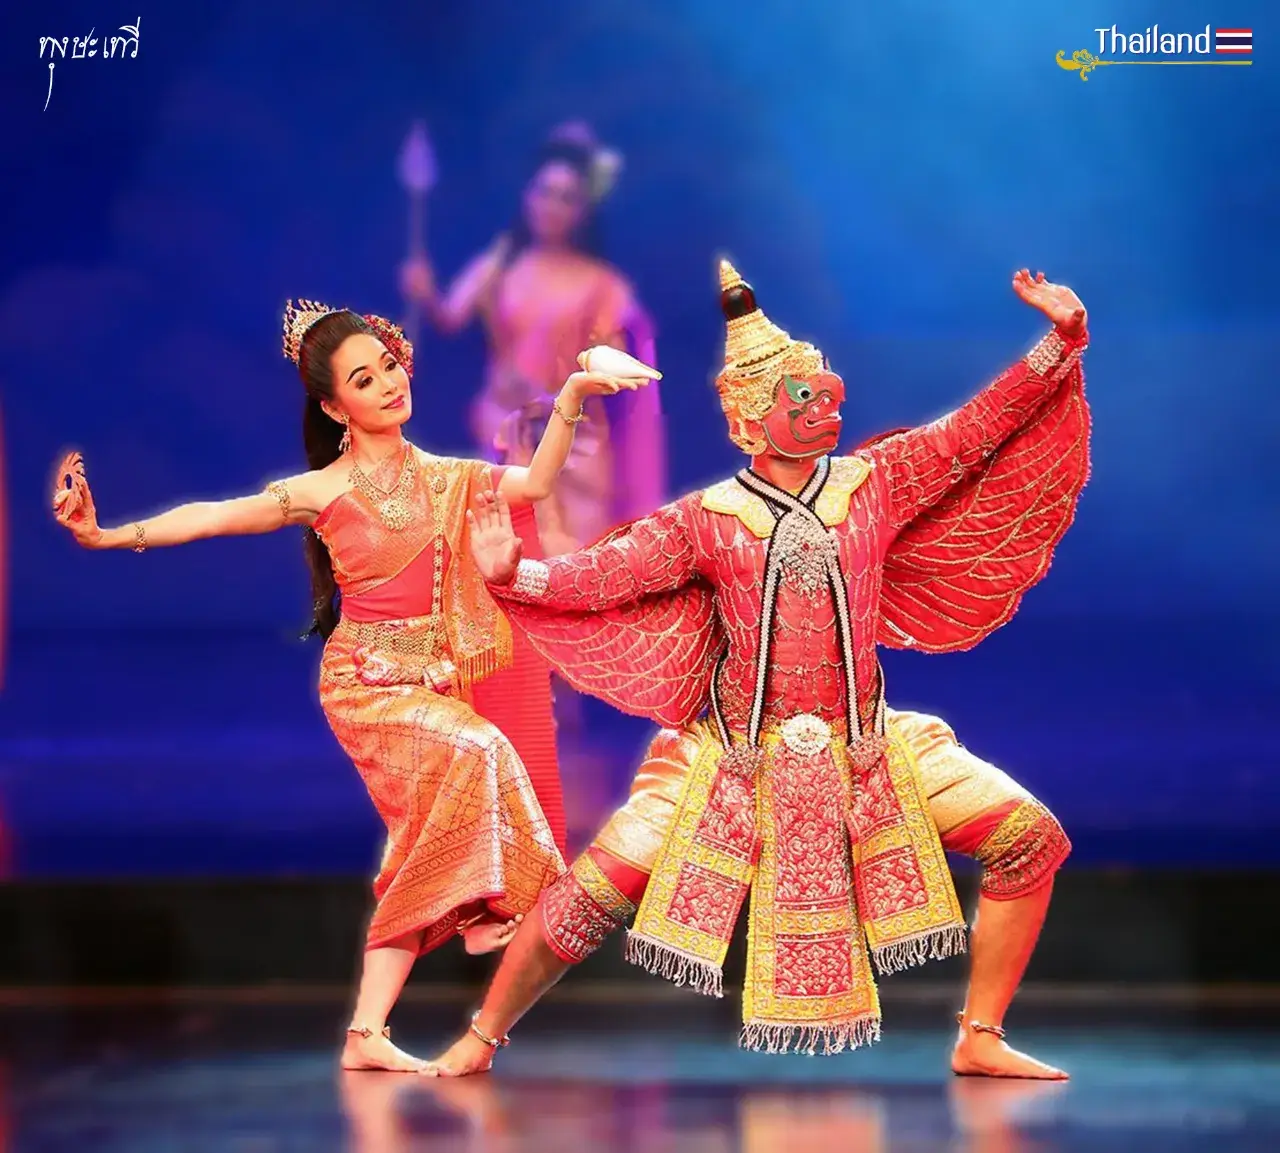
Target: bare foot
(377, 1052)
(466, 1056)
(986, 1055)
(489, 936)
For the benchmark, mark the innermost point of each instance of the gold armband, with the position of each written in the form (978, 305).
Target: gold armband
(280, 490)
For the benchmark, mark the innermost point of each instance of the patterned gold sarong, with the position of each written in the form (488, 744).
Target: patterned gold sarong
(464, 827)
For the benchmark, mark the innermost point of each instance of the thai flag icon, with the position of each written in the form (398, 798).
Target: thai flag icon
(1239, 40)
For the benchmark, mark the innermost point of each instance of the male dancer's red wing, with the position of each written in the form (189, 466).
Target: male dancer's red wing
(645, 645)
(958, 571)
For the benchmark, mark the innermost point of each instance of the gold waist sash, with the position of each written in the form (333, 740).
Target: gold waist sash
(417, 640)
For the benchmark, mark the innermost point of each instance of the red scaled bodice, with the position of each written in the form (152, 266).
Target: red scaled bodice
(805, 672)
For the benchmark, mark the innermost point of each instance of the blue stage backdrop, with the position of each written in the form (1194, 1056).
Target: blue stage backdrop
(877, 173)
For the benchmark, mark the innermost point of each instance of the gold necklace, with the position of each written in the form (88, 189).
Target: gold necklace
(392, 505)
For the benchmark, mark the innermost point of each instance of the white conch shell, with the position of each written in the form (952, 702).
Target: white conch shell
(612, 362)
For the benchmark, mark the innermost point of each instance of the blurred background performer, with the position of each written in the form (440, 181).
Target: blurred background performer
(521, 693)
(545, 292)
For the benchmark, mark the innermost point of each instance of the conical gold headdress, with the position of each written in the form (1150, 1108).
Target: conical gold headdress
(299, 315)
(757, 353)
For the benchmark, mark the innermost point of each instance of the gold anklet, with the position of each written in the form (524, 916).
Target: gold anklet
(494, 1043)
(979, 1027)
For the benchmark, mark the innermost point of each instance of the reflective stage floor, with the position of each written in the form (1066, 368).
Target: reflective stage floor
(594, 1073)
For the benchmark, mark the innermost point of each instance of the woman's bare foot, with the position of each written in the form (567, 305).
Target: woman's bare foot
(489, 936)
(377, 1052)
(466, 1056)
(980, 1054)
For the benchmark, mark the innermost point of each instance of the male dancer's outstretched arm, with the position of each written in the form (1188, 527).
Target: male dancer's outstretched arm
(919, 465)
(654, 554)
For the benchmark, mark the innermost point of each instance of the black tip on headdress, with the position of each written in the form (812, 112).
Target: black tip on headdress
(737, 300)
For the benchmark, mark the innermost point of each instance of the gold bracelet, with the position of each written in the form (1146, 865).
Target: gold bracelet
(569, 420)
(140, 537)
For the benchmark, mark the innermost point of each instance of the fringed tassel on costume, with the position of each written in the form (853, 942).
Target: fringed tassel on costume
(811, 1040)
(935, 946)
(679, 968)
(483, 664)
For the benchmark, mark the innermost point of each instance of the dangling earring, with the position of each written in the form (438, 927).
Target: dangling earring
(344, 445)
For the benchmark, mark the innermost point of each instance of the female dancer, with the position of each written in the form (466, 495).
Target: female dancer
(544, 292)
(409, 628)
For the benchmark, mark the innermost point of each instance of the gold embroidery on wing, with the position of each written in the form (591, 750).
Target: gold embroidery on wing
(604, 667)
(614, 664)
(916, 605)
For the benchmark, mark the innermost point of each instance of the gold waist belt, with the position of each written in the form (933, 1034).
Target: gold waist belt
(416, 639)
(805, 733)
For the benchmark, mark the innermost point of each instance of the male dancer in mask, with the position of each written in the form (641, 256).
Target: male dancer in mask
(744, 619)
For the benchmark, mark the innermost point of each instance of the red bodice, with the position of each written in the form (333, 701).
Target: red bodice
(805, 673)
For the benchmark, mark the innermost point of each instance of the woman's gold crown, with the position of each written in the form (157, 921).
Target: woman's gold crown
(299, 315)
